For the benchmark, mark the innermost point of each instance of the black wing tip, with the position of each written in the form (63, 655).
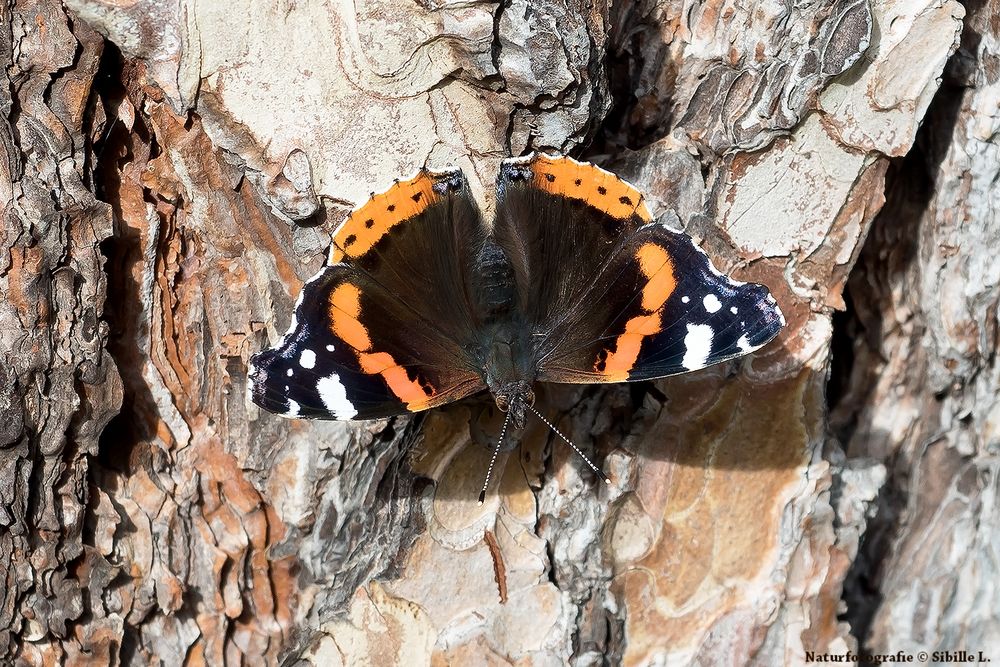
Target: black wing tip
(269, 385)
(262, 389)
(267, 390)
(259, 390)
(771, 321)
(759, 319)
(745, 294)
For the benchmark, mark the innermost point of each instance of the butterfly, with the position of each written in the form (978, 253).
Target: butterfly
(423, 302)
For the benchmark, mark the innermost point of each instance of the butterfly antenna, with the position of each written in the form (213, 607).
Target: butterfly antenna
(493, 459)
(598, 471)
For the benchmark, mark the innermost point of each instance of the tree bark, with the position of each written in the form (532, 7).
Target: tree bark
(175, 170)
(920, 390)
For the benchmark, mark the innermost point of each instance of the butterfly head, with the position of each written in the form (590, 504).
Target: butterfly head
(515, 398)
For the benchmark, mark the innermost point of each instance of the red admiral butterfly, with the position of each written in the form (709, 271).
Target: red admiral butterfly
(423, 303)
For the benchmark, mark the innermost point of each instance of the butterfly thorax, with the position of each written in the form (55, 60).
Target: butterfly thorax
(509, 377)
(507, 369)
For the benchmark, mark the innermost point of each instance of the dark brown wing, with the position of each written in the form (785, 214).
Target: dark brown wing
(384, 328)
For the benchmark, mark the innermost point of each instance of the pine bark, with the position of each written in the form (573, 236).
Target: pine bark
(173, 171)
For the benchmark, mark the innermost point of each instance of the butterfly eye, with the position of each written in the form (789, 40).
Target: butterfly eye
(502, 402)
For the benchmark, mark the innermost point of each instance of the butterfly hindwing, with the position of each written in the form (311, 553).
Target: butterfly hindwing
(365, 342)
(609, 295)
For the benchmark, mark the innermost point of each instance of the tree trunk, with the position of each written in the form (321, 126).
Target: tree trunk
(175, 171)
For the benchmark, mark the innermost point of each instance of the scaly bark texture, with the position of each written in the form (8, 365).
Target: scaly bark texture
(175, 170)
(922, 392)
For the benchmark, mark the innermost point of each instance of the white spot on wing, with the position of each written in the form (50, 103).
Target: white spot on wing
(712, 303)
(289, 372)
(744, 344)
(307, 359)
(334, 396)
(293, 409)
(685, 299)
(329, 348)
(734, 310)
(698, 345)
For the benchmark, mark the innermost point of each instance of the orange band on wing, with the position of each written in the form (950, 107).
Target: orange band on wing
(369, 223)
(652, 258)
(578, 180)
(345, 307)
(344, 310)
(411, 392)
(654, 262)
